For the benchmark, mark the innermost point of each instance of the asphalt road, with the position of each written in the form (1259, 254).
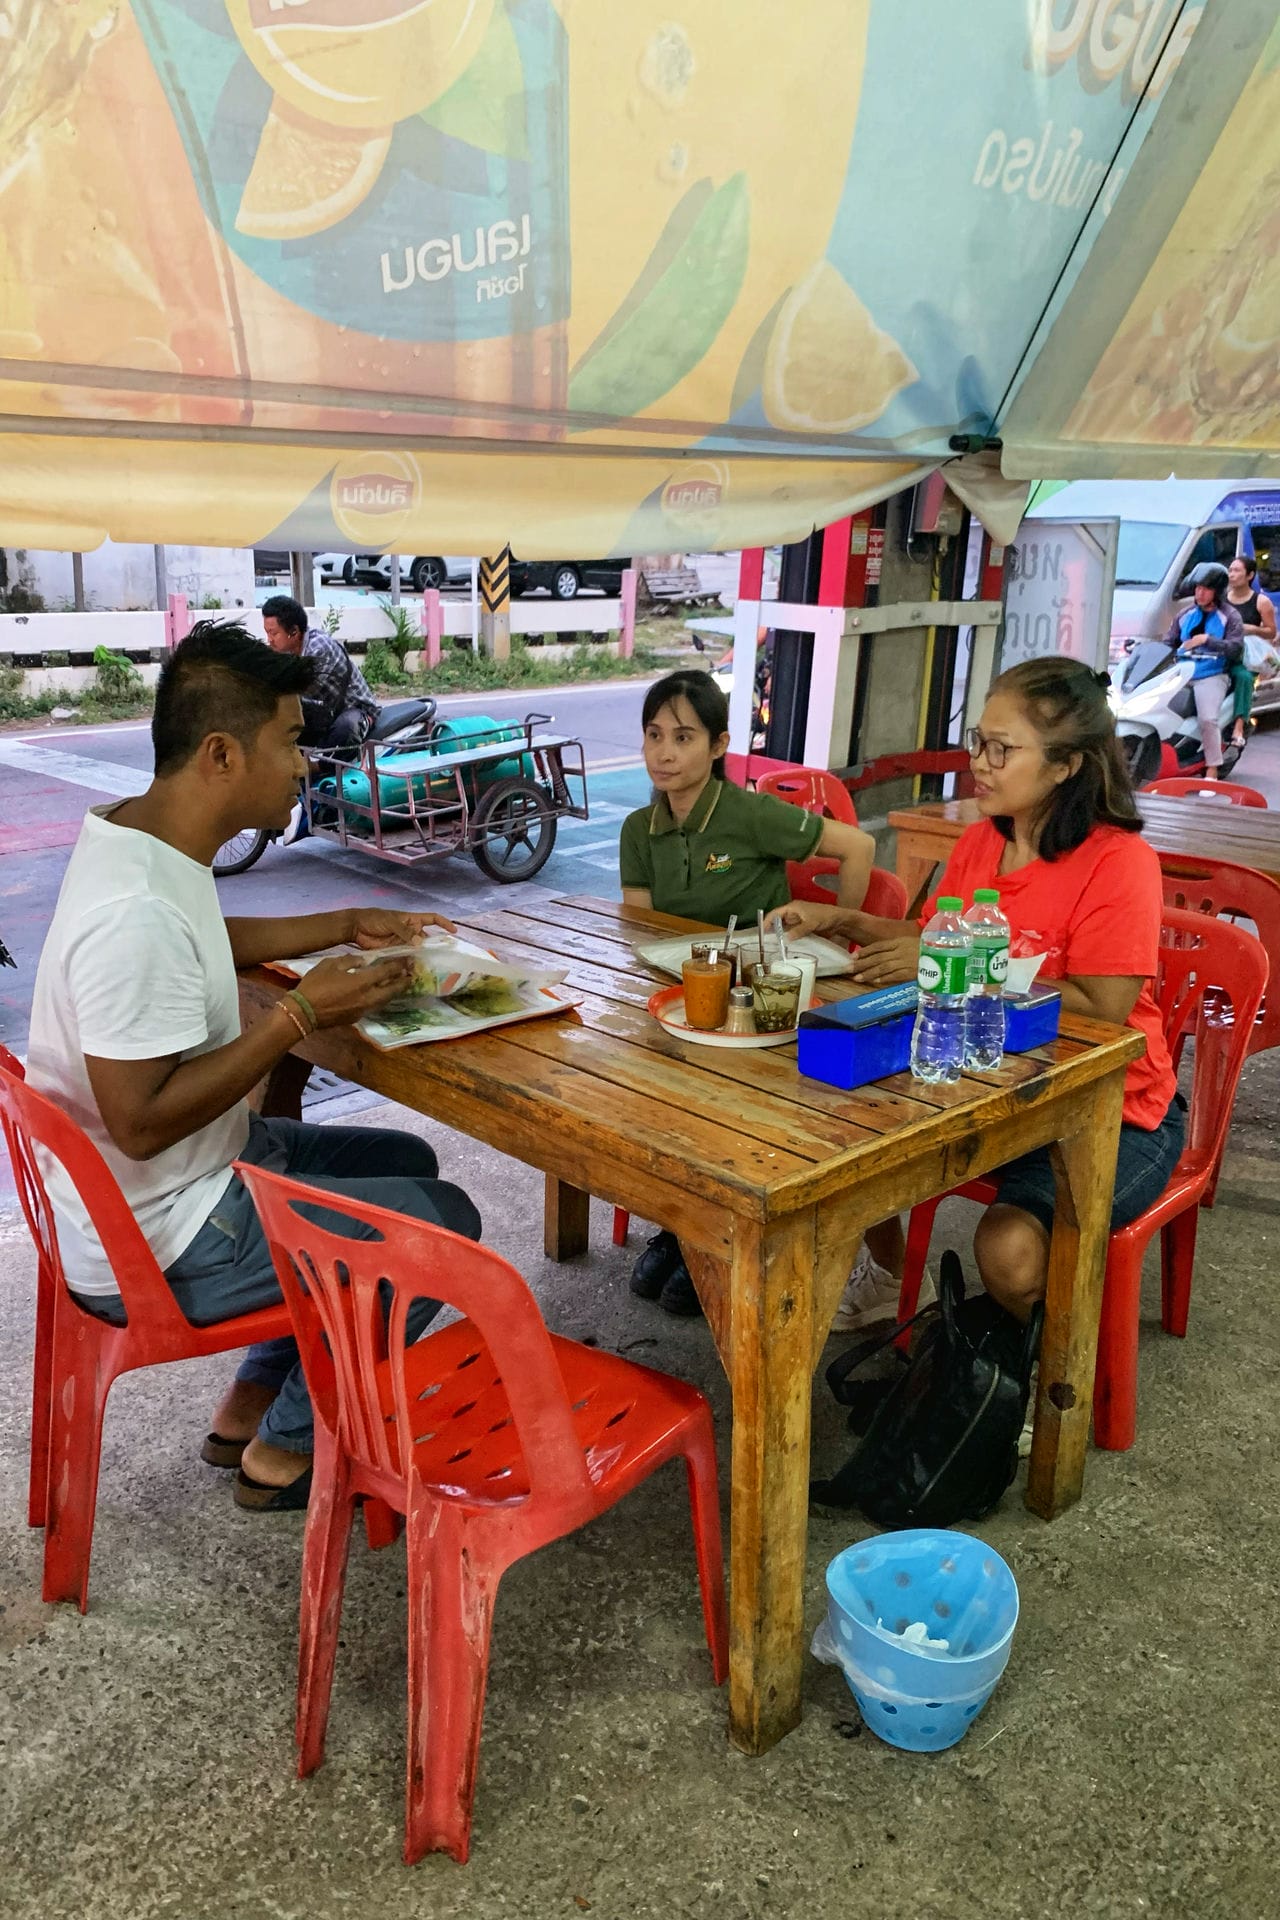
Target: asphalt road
(49, 776)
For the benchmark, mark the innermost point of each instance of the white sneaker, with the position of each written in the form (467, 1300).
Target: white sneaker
(871, 1295)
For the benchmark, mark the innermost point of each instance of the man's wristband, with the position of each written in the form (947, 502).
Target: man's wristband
(301, 1000)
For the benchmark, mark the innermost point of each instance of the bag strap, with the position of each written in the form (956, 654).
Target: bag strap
(856, 1356)
(1031, 1342)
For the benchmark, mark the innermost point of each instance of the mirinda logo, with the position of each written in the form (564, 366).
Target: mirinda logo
(373, 496)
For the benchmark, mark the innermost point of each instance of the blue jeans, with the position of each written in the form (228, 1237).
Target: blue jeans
(1144, 1162)
(227, 1269)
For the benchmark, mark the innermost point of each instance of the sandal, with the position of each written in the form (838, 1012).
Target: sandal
(257, 1497)
(217, 1452)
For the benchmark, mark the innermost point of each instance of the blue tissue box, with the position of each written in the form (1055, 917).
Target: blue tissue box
(1031, 1019)
(866, 1037)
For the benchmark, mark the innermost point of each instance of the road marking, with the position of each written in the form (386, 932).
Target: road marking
(30, 755)
(603, 810)
(574, 847)
(102, 776)
(86, 733)
(35, 838)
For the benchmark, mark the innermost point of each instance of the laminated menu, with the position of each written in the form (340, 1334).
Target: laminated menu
(456, 989)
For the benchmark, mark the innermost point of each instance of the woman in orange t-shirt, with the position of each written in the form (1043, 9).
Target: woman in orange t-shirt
(1059, 839)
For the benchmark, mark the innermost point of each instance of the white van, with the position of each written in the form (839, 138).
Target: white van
(1166, 528)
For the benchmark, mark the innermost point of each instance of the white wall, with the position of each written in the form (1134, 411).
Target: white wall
(120, 577)
(38, 633)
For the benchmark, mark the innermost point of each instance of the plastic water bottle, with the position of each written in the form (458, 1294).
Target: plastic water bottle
(988, 971)
(938, 1041)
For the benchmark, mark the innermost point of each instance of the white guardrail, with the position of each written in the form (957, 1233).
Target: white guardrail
(55, 651)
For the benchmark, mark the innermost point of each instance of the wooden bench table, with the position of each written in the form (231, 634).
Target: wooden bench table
(678, 584)
(769, 1179)
(1198, 829)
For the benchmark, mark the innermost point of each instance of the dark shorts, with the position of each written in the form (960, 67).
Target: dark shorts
(1143, 1165)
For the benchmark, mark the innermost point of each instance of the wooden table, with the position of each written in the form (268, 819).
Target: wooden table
(769, 1180)
(1201, 829)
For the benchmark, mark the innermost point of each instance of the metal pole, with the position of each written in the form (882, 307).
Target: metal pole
(162, 579)
(77, 582)
(395, 579)
(475, 606)
(301, 578)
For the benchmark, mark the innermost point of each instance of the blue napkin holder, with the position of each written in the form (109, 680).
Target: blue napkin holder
(1031, 1019)
(867, 1037)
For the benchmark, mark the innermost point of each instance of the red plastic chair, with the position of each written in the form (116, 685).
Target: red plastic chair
(1202, 789)
(77, 1357)
(820, 792)
(492, 1437)
(1230, 892)
(1201, 960)
(812, 788)
(885, 895)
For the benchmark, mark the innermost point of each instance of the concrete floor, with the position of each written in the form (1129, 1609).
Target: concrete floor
(1128, 1763)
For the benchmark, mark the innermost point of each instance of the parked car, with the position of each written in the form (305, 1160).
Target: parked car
(335, 566)
(417, 570)
(564, 579)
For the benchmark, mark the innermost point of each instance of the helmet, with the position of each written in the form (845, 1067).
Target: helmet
(1210, 573)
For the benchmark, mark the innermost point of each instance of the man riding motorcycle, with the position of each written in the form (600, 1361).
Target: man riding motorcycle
(1211, 635)
(339, 709)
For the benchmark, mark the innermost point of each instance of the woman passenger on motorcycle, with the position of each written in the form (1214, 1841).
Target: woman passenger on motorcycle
(1258, 618)
(708, 850)
(1060, 839)
(1209, 633)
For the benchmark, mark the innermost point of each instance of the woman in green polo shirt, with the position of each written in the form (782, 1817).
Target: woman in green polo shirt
(708, 850)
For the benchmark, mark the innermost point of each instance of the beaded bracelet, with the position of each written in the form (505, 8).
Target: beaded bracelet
(291, 1013)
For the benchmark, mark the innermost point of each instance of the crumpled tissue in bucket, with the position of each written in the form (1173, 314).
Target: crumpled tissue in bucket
(916, 1635)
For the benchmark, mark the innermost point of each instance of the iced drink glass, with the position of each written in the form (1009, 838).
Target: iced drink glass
(775, 994)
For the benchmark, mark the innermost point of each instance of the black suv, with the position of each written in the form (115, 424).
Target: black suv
(564, 579)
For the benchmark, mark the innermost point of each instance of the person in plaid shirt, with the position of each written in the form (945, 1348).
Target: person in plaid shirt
(338, 708)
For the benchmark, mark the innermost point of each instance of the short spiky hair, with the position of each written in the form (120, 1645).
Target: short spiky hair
(220, 679)
(289, 612)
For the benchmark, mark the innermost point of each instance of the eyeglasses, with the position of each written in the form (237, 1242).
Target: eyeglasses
(996, 752)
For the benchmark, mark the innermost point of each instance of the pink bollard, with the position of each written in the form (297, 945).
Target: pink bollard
(432, 625)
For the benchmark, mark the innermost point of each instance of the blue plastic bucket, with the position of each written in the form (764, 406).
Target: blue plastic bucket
(962, 1592)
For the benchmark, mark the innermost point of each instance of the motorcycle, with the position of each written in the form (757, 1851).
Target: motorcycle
(1155, 715)
(405, 725)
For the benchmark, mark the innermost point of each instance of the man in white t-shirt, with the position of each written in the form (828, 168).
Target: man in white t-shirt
(135, 1032)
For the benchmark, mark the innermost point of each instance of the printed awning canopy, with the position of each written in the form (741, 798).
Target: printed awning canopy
(447, 274)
